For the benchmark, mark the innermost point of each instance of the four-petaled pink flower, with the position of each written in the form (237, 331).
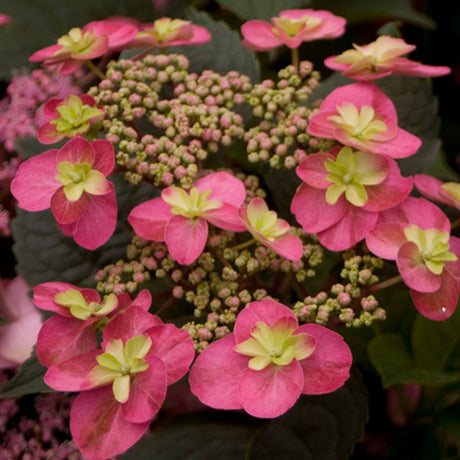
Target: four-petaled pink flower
(436, 190)
(80, 313)
(123, 385)
(169, 32)
(343, 193)
(80, 45)
(381, 58)
(265, 226)
(291, 28)
(268, 362)
(72, 181)
(69, 117)
(180, 218)
(362, 116)
(417, 235)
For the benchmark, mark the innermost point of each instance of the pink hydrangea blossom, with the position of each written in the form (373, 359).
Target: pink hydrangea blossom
(72, 181)
(68, 117)
(436, 190)
(417, 235)
(169, 32)
(362, 116)
(123, 384)
(80, 313)
(19, 334)
(291, 28)
(343, 193)
(265, 226)
(380, 58)
(180, 219)
(5, 19)
(268, 362)
(92, 41)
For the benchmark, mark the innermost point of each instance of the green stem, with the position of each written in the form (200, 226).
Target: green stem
(244, 245)
(95, 69)
(387, 283)
(295, 58)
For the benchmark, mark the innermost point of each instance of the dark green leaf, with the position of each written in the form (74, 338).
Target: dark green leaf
(28, 146)
(449, 420)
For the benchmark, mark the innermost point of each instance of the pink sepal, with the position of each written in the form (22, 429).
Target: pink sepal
(216, 373)
(312, 170)
(288, 246)
(104, 160)
(258, 36)
(47, 134)
(66, 211)
(149, 219)
(410, 68)
(143, 300)
(119, 30)
(385, 239)
(224, 186)
(45, 53)
(328, 368)
(99, 427)
(270, 392)
(454, 266)
(226, 217)
(77, 150)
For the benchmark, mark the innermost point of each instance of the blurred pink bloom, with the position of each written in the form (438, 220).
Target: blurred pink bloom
(268, 362)
(291, 28)
(72, 181)
(362, 116)
(180, 218)
(417, 235)
(5, 19)
(343, 193)
(436, 190)
(18, 336)
(381, 58)
(402, 402)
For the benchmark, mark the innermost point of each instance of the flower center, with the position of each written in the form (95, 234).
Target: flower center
(192, 204)
(452, 189)
(350, 172)
(264, 221)
(166, 29)
(75, 42)
(275, 345)
(361, 125)
(433, 245)
(119, 364)
(292, 27)
(81, 309)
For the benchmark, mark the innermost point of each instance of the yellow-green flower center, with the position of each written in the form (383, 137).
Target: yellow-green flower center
(75, 42)
(292, 27)
(265, 222)
(452, 189)
(120, 363)
(166, 29)
(433, 245)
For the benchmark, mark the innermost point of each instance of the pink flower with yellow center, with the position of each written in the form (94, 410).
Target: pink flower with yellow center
(381, 58)
(362, 116)
(291, 28)
(268, 361)
(343, 192)
(436, 190)
(180, 218)
(72, 182)
(170, 32)
(265, 226)
(123, 384)
(417, 235)
(69, 117)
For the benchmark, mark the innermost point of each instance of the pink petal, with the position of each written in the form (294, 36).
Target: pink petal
(14, 299)
(66, 211)
(267, 311)
(105, 156)
(216, 373)
(47, 134)
(259, 35)
(143, 300)
(438, 305)
(49, 109)
(227, 218)
(454, 267)
(224, 186)
(99, 427)
(270, 392)
(403, 145)
(45, 53)
(73, 336)
(174, 347)
(430, 187)
(200, 35)
(288, 246)
(149, 219)
(328, 367)
(385, 239)
(35, 183)
(186, 238)
(118, 31)
(67, 66)
(414, 272)
(312, 170)
(405, 66)
(146, 393)
(77, 150)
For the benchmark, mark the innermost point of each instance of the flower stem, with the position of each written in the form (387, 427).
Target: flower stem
(244, 245)
(387, 283)
(295, 58)
(95, 69)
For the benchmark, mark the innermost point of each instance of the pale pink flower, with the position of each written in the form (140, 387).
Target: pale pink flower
(416, 234)
(180, 219)
(436, 190)
(362, 116)
(381, 58)
(123, 385)
(268, 362)
(18, 336)
(72, 181)
(265, 226)
(291, 28)
(343, 193)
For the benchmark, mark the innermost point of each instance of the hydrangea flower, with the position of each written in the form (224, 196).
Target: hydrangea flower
(380, 58)
(436, 190)
(268, 362)
(68, 117)
(417, 235)
(362, 116)
(23, 321)
(265, 226)
(291, 28)
(180, 219)
(343, 193)
(123, 384)
(170, 32)
(72, 181)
